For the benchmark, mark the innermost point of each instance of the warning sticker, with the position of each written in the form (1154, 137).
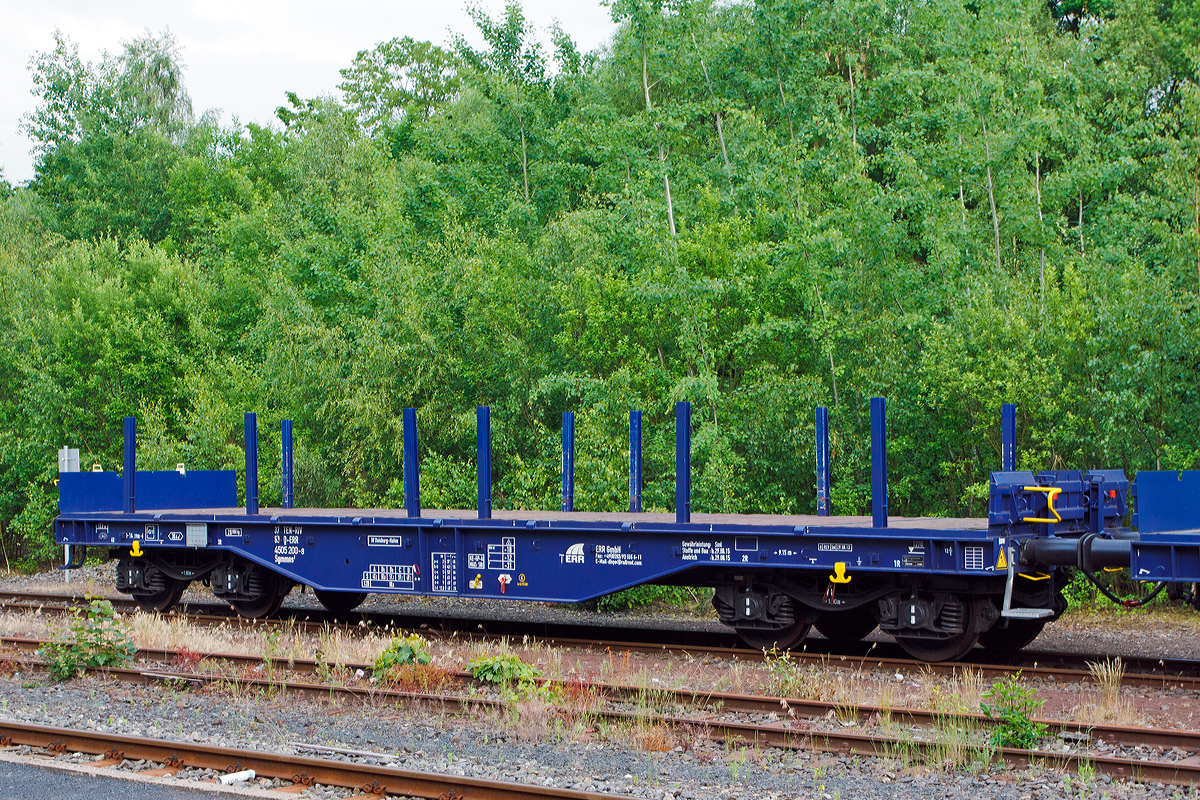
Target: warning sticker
(443, 573)
(1001, 561)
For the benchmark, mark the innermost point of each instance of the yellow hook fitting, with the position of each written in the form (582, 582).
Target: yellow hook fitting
(136, 550)
(839, 575)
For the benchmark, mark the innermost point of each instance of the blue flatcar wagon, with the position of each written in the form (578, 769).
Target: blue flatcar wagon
(938, 586)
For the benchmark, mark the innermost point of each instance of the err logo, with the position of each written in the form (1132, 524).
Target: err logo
(574, 555)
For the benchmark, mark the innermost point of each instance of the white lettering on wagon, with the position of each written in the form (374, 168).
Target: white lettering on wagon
(384, 541)
(287, 544)
(835, 547)
(706, 551)
(613, 555)
(574, 555)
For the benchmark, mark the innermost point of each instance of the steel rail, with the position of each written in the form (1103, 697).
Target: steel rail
(301, 770)
(1150, 672)
(702, 699)
(785, 734)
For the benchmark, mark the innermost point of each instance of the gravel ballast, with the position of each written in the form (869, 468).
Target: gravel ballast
(422, 737)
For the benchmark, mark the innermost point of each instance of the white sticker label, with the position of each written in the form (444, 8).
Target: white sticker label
(390, 576)
(197, 534)
(443, 573)
(503, 556)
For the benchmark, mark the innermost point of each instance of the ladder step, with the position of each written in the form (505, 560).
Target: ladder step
(1027, 613)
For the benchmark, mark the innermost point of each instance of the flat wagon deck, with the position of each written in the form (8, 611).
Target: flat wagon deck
(938, 585)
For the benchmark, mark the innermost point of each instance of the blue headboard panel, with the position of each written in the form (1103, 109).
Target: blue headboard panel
(89, 491)
(1168, 502)
(200, 489)
(153, 491)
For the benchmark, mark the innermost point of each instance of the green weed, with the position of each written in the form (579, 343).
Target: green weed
(1010, 705)
(402, 651)
(502, 668)
(97, 638)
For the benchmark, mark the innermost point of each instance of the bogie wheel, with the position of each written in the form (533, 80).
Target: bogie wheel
(847, 626)
(340, 602)
(1019, 633)
(950, 649)
(275, 588)
(163, 599)
(778, 639)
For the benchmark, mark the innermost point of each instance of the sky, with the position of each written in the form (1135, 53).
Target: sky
(241, 56)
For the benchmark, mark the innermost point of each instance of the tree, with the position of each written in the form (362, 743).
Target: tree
(400, 79)
(107, 134)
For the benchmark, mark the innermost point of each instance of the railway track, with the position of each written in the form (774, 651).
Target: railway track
(1053, 666)
(790, 731)
(299, 771)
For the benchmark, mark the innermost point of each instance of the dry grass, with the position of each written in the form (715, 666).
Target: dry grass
(530, 720)
(1112, 706)
(281, 643)
(657, 737)
(959, 695)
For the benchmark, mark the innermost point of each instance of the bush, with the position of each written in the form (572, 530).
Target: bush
(402, 651)
(1011, 709)
(1079, 591)
(97, 639)
(502, 668)
(640, 596)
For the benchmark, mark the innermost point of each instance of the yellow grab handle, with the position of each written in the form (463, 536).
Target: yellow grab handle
(136, 550)
(1051, 493)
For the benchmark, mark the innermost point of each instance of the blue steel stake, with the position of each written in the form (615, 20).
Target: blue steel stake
(251, 443)
(483, 459)
(130, 472)
(635, 461)
(568, 461)
(412, 475)
(286, 440)
(879, 490)
(1008, 438)
(683, 462)
(822, 461)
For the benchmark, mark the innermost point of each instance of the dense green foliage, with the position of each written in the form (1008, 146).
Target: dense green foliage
(758, 206)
